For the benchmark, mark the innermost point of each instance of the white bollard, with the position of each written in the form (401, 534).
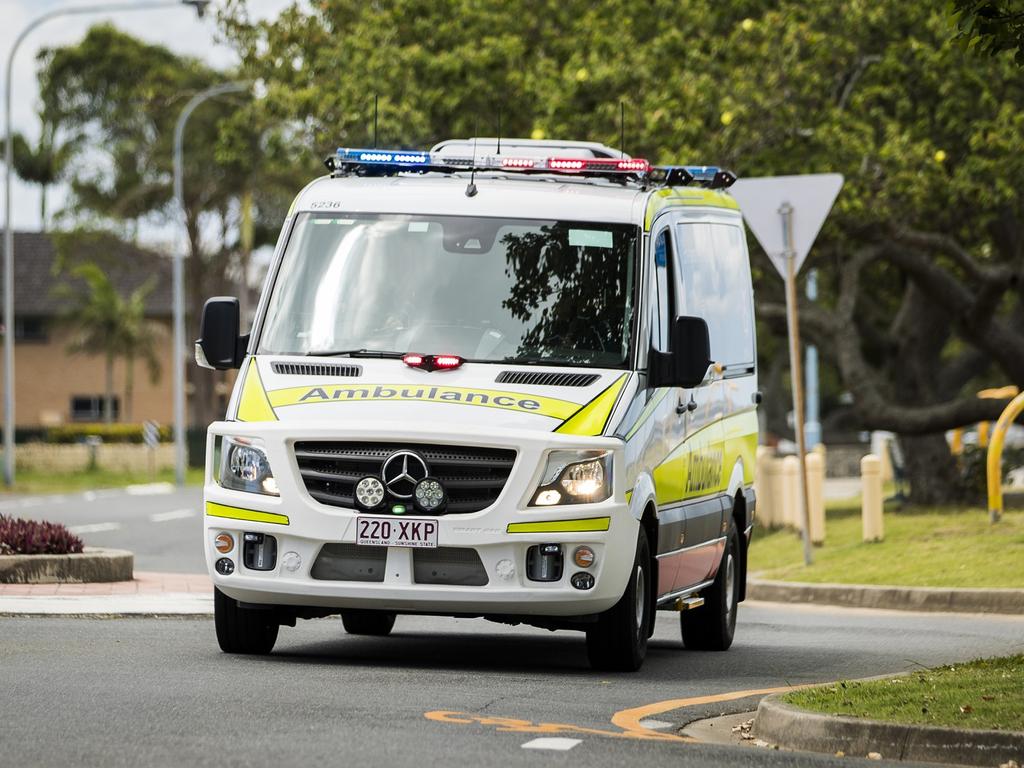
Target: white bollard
(816, 496)
(871, 498)
(791, 493)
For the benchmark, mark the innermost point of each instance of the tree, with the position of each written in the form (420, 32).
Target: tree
(124, 96)
(44, 164)
(919, 266)
(990, 26)
(139, 338)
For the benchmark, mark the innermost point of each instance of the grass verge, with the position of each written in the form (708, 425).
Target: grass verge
(986, 694)
(923, 547)
(36, 481)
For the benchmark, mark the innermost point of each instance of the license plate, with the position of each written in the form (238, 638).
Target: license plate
(396, 532)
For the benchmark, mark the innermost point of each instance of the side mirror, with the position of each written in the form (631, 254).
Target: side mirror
(686, 364)
(219, 346)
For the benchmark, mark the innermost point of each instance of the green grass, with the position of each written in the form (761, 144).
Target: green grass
(986, 694)
(36, 481)
(923, 547)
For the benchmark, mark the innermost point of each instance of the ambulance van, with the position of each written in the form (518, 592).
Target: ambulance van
(506, 379)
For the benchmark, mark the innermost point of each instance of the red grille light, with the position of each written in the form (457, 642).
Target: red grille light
(433, 362)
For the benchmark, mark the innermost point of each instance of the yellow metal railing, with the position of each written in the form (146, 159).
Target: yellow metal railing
(994, 459)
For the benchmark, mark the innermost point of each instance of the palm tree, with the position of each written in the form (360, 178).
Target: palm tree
(45, 163)
(105, 323)
(139, 337)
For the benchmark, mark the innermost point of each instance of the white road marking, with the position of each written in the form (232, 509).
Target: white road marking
(149, 489)
(655, 725)
(174, 514)
(94, 528)
(560, 743)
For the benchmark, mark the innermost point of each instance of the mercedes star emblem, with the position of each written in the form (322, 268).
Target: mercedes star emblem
(401, 471)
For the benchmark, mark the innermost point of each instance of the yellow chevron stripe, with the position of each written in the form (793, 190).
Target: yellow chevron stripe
(562, 526)
(237, 513)
(592, 418)
(253, 404)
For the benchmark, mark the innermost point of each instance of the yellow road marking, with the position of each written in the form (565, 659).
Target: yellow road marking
(627, 720)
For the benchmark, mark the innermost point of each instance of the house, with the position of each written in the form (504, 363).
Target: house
(53, 386)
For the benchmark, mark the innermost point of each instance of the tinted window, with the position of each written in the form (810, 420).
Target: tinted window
(714, 283)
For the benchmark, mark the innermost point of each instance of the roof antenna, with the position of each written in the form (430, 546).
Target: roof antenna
(375, 121)
(499, 132)
(471, 187)
(622, 129)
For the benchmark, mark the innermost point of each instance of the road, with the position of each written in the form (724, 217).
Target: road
(437, 692)
(162, 525)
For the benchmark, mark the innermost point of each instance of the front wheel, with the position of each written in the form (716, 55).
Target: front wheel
(377, 623)
(712, 626)
(243, 630)
(618, 641)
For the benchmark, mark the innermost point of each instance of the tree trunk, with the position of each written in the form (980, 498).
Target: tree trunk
(108, 396)
(42, 208)
(129, 387)
(931, 470)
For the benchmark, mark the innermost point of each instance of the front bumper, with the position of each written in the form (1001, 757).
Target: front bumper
(311, 524)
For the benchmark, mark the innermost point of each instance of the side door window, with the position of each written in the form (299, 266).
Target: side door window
(661, 298)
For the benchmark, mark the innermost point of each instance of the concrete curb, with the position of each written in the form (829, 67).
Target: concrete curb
(165, 605)
(92, 565)
(793, 728)
(931, 599)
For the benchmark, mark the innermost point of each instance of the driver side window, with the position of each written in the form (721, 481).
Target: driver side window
(661, 299)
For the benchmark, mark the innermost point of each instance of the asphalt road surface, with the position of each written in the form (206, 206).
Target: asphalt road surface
(142, 692)
(162, 525)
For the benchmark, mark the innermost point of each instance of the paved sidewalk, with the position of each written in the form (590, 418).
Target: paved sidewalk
(149, 594)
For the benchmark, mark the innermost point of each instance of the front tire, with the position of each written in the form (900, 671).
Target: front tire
(618, 641)
(712, 626)
(243, 630)
(375, 623)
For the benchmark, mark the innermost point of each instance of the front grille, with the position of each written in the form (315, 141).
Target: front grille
(316, 369)
(455, 566)
(349, 562)
(541, 379)
(472, 477)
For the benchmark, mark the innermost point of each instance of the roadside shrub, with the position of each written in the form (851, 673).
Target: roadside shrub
(32, 537)
(111, 433)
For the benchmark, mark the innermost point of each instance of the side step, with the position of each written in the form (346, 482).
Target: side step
(683, 604)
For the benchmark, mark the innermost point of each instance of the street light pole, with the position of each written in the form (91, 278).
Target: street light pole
(178, 275)
(8, 270)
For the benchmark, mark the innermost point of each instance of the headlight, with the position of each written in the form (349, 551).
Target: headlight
(244, 466)
(575, 477)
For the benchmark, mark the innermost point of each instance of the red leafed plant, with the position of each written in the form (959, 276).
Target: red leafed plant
(32, 537)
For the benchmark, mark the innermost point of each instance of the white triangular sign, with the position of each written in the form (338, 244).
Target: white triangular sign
(811, 197)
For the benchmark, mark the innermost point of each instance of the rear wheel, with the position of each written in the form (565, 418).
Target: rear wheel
(712, 626)
(377, 623)
(618, 641)
(243, 630)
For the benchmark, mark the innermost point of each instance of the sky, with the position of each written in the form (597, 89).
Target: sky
(176, 28)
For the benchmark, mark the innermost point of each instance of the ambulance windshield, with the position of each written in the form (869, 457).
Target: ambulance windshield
(486, 289)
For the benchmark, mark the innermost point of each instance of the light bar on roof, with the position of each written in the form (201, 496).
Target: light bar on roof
(384, 157)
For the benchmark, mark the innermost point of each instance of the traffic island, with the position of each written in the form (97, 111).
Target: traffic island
(89, 566)
(969, 714)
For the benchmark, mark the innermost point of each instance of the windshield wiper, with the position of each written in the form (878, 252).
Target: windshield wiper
(379, 353)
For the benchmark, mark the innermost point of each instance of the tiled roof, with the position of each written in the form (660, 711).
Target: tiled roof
(36, 275)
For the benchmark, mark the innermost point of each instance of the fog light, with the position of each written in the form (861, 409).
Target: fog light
(547, 498)
(429, 494)
(224, 567)
(544, 562)
(582, 580)
(369, 493)
(259, 551)
(583, 557)
(224, 543)
(291, 561)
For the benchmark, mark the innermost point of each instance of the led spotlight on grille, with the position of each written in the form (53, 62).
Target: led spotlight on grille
(369, 493)
(429, 494)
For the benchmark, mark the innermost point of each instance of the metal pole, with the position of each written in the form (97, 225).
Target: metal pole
(792, 320)
(8, 270)
(178, 275)
(812, 429)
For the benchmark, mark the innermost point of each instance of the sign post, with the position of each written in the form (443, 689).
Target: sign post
(770, 207)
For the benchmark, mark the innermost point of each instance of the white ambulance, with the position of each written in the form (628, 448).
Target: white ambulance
(513, 380)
